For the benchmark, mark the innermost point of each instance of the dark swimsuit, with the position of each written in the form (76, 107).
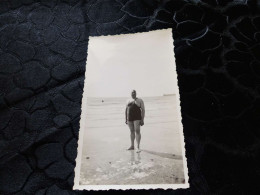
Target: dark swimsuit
(134, 112)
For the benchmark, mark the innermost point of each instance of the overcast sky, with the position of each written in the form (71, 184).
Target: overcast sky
(142, 61)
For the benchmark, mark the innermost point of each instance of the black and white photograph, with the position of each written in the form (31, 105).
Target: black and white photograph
(131, 135)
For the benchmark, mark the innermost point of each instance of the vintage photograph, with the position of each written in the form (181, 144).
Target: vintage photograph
(131, 135)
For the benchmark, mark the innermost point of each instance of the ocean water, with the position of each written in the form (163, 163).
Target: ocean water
(112, 111)
(105, 159)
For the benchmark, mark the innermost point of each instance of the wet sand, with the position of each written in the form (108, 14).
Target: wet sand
(105, 159)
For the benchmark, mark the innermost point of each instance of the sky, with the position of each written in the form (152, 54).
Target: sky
(143, 61)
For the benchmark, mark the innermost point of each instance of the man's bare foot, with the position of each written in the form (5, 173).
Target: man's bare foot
(131, 148)
(138, 150)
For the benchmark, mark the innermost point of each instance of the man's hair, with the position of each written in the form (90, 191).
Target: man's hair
(134, 90)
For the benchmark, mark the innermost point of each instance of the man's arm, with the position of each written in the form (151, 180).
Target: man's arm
(126, 115)
(143, 109)
(126, 112)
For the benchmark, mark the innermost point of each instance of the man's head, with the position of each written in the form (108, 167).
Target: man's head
(133, 94)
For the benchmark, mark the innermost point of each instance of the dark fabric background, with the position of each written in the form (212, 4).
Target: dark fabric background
(43, 49)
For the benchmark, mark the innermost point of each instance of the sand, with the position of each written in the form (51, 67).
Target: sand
(105, 159)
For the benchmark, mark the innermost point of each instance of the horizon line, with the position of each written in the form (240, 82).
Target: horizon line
(129, 96)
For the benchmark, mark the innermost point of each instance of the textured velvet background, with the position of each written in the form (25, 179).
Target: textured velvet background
(43, 48)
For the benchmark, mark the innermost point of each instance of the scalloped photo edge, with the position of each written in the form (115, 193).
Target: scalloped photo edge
(97, 92)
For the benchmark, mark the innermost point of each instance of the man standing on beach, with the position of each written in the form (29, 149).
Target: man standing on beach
(134, 115)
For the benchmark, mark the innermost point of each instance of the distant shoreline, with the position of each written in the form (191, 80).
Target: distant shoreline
(169, 94)
(130, 97)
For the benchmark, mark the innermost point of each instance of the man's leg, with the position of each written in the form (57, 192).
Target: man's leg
(132, 134)
(138, 133)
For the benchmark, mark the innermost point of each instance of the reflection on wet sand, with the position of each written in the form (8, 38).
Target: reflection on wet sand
(133, 159)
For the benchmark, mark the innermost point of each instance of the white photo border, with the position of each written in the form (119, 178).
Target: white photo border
(77, 186)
